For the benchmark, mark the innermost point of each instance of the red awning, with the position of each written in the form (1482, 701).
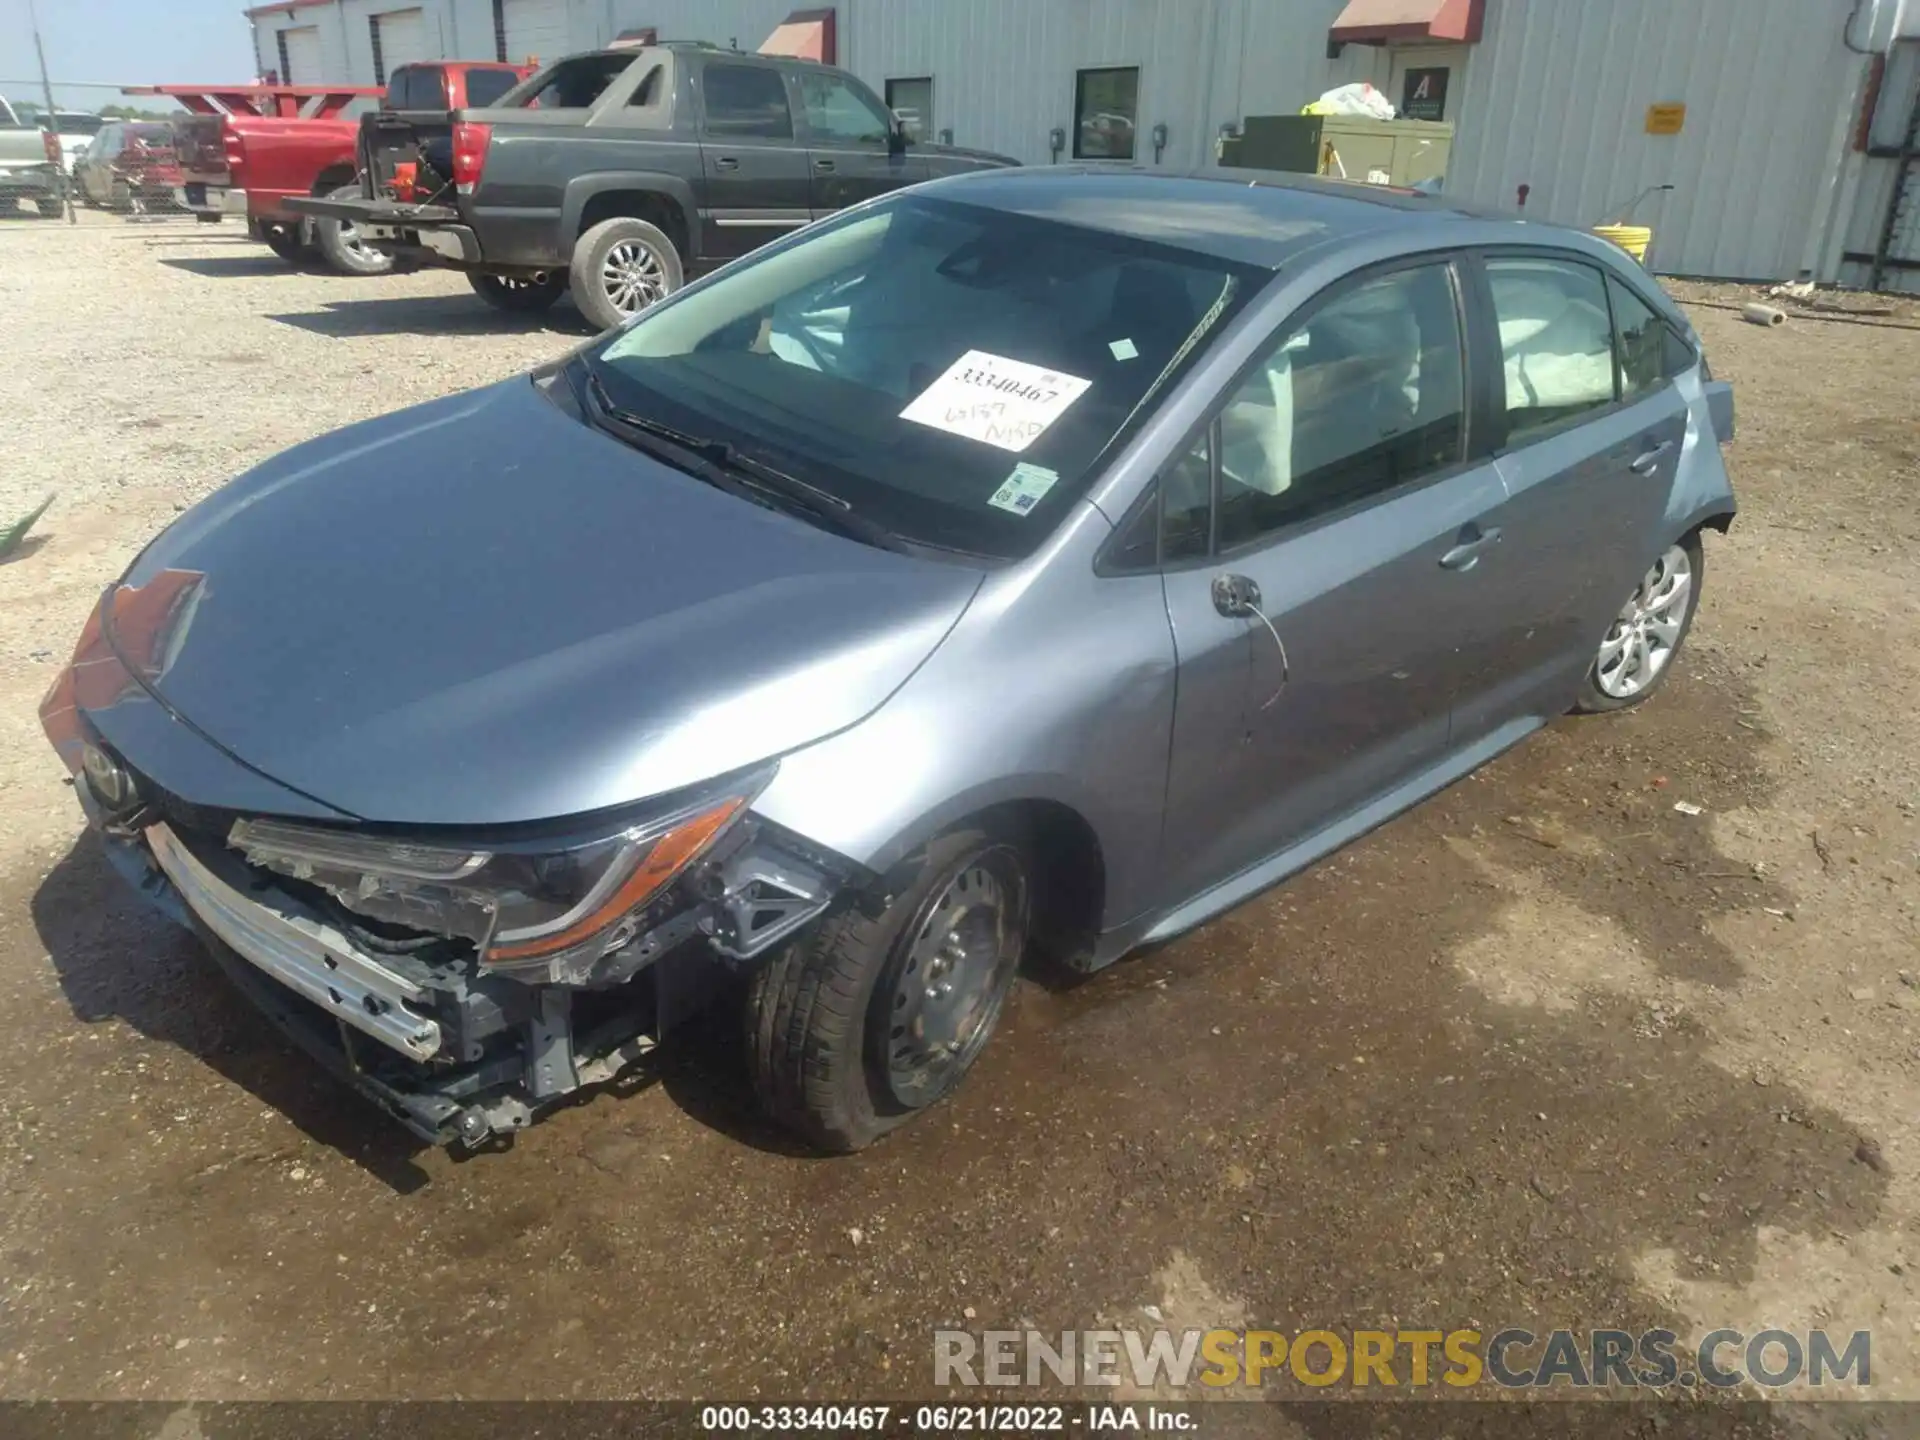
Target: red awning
(1379, 22)
(805, 35)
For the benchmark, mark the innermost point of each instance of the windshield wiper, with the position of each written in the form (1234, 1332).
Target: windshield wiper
(749, 476)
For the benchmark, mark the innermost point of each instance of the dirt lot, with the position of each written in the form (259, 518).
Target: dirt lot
(1543, 1052)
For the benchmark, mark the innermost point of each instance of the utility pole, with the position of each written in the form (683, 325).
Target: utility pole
(53, 119)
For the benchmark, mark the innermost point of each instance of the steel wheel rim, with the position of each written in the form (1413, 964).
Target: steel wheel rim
(632, 276)
(1646, 632)
(953, 982)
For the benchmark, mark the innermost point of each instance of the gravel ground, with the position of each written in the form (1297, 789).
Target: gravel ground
(1542, 1052)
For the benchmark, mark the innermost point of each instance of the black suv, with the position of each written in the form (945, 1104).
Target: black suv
(622, 172)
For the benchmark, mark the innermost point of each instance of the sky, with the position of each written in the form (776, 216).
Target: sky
(140, 42)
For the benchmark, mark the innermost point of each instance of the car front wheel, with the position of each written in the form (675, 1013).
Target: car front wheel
(880, 1010)
(1641, 644)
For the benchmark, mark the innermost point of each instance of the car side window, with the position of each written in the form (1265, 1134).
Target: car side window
(1556, 340)
(1640, 338)
(1186, 503)
(486, 86)
(747, 100)
(839, 112)
(1365, 395)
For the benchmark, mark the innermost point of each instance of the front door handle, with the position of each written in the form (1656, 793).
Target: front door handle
(725, 162)
(1471, 541)
(825, 167)
(1645, 464)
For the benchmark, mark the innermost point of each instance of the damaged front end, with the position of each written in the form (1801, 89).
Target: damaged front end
(467, 987)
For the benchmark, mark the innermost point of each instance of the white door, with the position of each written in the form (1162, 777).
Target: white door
(302, 50)
(1428, 82)
(403, 39)
(534, 30)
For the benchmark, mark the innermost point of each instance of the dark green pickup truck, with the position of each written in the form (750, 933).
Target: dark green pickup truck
(619, 173)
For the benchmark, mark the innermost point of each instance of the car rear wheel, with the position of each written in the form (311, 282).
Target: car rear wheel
(340, 244)
(620, 267)
(518, 296)
(1639, 648)
(880, 1010)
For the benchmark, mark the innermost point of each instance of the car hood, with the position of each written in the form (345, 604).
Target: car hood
(956, 159)
(481, 611)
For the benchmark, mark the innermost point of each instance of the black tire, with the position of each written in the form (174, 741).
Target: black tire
(518, 297)
(1593, 698)
(51, 209)
(607, 302)
(339, 245)
(820, 1014)
(284, 240)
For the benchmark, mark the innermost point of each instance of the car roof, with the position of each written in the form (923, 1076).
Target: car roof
(1261, 220)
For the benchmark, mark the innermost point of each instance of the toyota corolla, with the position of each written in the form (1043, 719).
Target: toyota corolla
(1017, 569)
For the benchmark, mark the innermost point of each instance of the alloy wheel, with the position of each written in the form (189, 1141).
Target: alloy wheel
(632, 276)
(1642, 638)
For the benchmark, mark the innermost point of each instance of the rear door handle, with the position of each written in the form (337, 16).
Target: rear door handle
(824, 166)
(1472, 540)
(1645, 464)
(725, 162)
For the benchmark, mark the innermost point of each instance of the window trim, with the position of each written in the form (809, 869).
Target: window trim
(1503, 441)
(1139, 85)
(1473, 450)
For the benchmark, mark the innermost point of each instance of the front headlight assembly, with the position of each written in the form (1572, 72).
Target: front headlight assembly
(541, 911)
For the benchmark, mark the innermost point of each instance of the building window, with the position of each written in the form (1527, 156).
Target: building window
(286, 68)
(500, 31)
(1105, 105)
(912, 101)
(379, 62)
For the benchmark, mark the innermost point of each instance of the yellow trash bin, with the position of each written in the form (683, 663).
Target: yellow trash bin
(1634, 239)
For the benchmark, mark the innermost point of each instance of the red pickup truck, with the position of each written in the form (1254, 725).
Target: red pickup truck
(246, 149)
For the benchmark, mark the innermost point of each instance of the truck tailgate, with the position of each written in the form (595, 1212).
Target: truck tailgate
(421, 138)
(380, 211)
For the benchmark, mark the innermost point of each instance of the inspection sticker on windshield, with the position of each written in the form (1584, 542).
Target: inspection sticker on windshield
(998, 401)
(1025, 488)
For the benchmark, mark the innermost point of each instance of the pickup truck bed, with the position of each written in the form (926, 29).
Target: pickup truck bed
(620, 173)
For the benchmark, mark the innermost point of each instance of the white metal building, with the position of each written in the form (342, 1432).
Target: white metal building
(1785, 160)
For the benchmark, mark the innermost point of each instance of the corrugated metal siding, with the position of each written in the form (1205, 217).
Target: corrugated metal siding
(724, 22)
(1003, 70)
(1899, 90)
(1556, 98)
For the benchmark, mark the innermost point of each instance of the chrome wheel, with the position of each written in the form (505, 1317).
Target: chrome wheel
(632, 277)
(953, 983)
(1643, 636)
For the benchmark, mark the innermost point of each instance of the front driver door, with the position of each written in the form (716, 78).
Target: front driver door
(850, 141)
(1321, 543)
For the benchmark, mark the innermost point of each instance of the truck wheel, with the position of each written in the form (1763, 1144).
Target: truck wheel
(878, 1012)
(340, 244)
(620, 267)
(284, 240)
(51, 209)
(517, 296)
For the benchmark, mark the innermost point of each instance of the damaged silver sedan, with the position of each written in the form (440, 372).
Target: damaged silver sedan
(1020, 568)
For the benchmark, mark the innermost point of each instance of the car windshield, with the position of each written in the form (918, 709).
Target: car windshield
(950, 372)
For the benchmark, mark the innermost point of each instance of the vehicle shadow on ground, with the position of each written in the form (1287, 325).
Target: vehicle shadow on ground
(430, 315)
(232, 267)
(118, 960)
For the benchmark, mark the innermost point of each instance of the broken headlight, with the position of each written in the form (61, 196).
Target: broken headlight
(542, 911)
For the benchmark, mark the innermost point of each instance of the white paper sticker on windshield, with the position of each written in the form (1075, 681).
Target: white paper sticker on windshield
(997, 401)
(1124, 349)
(1024, 488)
